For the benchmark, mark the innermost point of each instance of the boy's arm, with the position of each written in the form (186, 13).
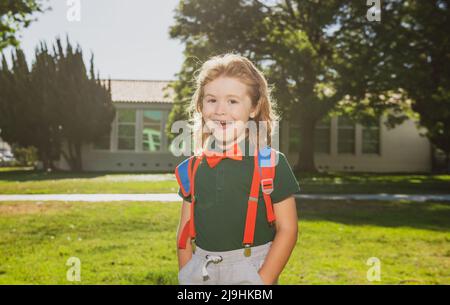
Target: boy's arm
(284, 242)
(184, 255)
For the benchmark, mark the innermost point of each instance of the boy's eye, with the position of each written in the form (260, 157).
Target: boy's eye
(233, 101)
(211, 101)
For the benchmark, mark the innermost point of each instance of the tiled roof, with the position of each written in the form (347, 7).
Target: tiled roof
(140, 91)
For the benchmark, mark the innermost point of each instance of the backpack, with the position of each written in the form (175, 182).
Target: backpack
(263, 176)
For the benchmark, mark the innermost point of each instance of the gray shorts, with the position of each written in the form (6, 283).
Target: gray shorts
(224, 268)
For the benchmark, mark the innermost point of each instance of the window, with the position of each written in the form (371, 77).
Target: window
(371, 138)
(151, 130)
(322, 137)
(346, 136)
(126, 129)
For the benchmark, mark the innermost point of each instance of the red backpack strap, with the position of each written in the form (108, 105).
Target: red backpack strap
(263, 174)
(267, 163)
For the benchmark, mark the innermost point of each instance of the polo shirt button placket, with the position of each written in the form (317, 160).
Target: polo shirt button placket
(219, 182)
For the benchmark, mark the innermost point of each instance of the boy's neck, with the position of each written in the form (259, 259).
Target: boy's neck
(227, 146)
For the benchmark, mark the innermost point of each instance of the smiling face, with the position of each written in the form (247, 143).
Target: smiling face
(226, 108)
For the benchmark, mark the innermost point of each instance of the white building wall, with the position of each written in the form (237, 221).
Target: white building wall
(136, 160)
(402, 149)
(125, 161)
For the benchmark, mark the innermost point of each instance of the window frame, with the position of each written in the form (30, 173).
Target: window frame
(161, 130)
(127, 124)
(377, 127)
(339, 141)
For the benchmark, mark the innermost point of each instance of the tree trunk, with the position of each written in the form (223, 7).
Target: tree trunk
(447, 162)
(45, 157)
(73, 156)
(78, 157)
(305, 161)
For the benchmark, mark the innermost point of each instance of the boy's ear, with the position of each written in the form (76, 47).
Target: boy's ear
(254, 112)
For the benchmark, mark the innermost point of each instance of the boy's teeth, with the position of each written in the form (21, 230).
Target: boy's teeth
(223, 123)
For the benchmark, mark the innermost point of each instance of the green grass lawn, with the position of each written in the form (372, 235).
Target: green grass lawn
(134, 243)
(369, 183)
(27, 181)
(39, 182)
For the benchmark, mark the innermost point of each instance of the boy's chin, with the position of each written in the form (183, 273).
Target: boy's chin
(224, 139)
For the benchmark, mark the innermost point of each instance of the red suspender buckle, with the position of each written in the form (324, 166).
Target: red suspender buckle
(193, 245)
(247, 250)
(267, 185)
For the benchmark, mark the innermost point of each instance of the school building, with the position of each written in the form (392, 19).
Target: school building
(138, 141)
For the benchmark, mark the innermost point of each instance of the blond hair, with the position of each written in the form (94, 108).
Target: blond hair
(239, 67)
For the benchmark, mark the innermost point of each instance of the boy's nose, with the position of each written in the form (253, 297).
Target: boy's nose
(221, 108)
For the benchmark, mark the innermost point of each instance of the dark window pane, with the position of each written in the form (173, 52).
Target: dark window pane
(344, 121)
(346, 147)
(151, 138)
(152, 117)
(126, 130)
(127, 116)
(371, 148)
(371, 138)
(126, 143)
(322, 137)
(346, 136)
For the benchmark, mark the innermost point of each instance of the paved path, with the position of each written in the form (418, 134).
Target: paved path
(175, 197)
(92, 197)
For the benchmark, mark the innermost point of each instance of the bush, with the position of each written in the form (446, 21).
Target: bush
(25, 156)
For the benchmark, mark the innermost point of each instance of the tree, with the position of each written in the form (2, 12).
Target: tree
(15, 15)
(56, 106)
(311, 51)
(43, 95)
(84, 102)
(23, 118)
(422, 60)
(414, 55)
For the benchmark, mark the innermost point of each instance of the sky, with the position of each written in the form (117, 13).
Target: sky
(129, 38)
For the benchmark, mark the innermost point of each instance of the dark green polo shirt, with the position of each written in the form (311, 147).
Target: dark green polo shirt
(221, 206)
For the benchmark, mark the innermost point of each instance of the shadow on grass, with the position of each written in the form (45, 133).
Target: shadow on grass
(421, 215)
(317, 183)
(40, 175)
(373, 183)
